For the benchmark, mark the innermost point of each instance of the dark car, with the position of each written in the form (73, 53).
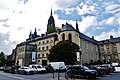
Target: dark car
(2, 68)
(111, 67)
(49, 69)
(99, 69)
(84, 71)
(7, 69)
(106, 68)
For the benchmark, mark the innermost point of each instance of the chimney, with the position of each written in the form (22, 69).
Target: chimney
(92, 37)
(111, 37)
(63, 25)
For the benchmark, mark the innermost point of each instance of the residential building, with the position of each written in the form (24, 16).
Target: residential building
(110, 49)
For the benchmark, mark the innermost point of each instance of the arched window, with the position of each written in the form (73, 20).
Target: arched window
(63, 37)
(69, 37)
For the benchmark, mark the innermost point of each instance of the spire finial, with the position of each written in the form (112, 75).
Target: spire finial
(35, 33)
(77, 26)
(51, 11)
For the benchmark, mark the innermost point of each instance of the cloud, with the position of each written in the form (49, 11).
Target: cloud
(5, 44)
(106, 35)
(66, 3)
(4, 20)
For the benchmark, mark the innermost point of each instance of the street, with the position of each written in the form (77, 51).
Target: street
(49, 76)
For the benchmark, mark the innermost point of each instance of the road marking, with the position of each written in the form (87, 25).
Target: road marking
(20, 78)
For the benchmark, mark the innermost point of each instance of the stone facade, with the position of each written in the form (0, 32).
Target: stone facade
(110, 50)
(42, 44)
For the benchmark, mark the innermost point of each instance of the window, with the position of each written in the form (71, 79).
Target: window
(38, 60)
(47, 41)
(116, 56)
(69, 37)
(103, 57)
(42, 55)
(39, 48)
(43, 42)
(47, 48)
(39, 42)
(108, 57)
(63, 37)
(38, 55)
(46, 54)
(42, 48)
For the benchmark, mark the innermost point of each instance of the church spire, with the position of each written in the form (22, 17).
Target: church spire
(51, 11)
(30, 34)
(35, 33)
(77, 29)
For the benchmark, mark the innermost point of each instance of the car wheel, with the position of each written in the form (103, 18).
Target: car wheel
(87, 76)
(70, 74)
(21, 72)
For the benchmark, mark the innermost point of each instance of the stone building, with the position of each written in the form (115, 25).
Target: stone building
(41, 44)
(110, 49)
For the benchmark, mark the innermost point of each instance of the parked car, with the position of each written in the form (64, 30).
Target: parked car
(25, 70)
(116, 64)
(99, 69)
(106, 68)
(38, 68)
(7, 69)
(49, 69)
(111, 67)
(58, 66)
(2, 68)
(84, 71)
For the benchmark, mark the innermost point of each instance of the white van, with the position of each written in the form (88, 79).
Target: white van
(38, 68)
(58, 66)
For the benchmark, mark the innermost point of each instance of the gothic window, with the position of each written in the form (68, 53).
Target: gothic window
(63, 37)
(69, 37)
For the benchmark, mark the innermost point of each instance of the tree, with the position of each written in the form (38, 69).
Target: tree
(2, 59)
(64, 51)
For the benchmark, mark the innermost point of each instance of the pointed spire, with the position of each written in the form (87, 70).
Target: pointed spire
(51, 11)
(35, 33)
(30, 34)
(77, 26)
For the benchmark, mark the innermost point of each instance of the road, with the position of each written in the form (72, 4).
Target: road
(49, 76)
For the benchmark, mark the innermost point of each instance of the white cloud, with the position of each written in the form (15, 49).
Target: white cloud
(66, 3)
(106, 35)
(87, 22)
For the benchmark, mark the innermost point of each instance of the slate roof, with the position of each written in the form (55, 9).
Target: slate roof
(111, 40)
(68, 27)
(83, 36)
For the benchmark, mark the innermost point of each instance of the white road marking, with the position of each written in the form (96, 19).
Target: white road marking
(20, 78)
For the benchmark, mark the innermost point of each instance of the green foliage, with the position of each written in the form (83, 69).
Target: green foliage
(64, 51)
(2, 59)
(51, 30)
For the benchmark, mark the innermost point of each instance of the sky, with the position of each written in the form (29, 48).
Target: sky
(98, 18)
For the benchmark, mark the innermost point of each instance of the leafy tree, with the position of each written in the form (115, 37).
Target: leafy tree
(51, 30)
(2, 59)
(64, 51)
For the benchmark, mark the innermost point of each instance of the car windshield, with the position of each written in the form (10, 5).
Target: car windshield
(39, 67)
(26, 68)
(86, 68)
